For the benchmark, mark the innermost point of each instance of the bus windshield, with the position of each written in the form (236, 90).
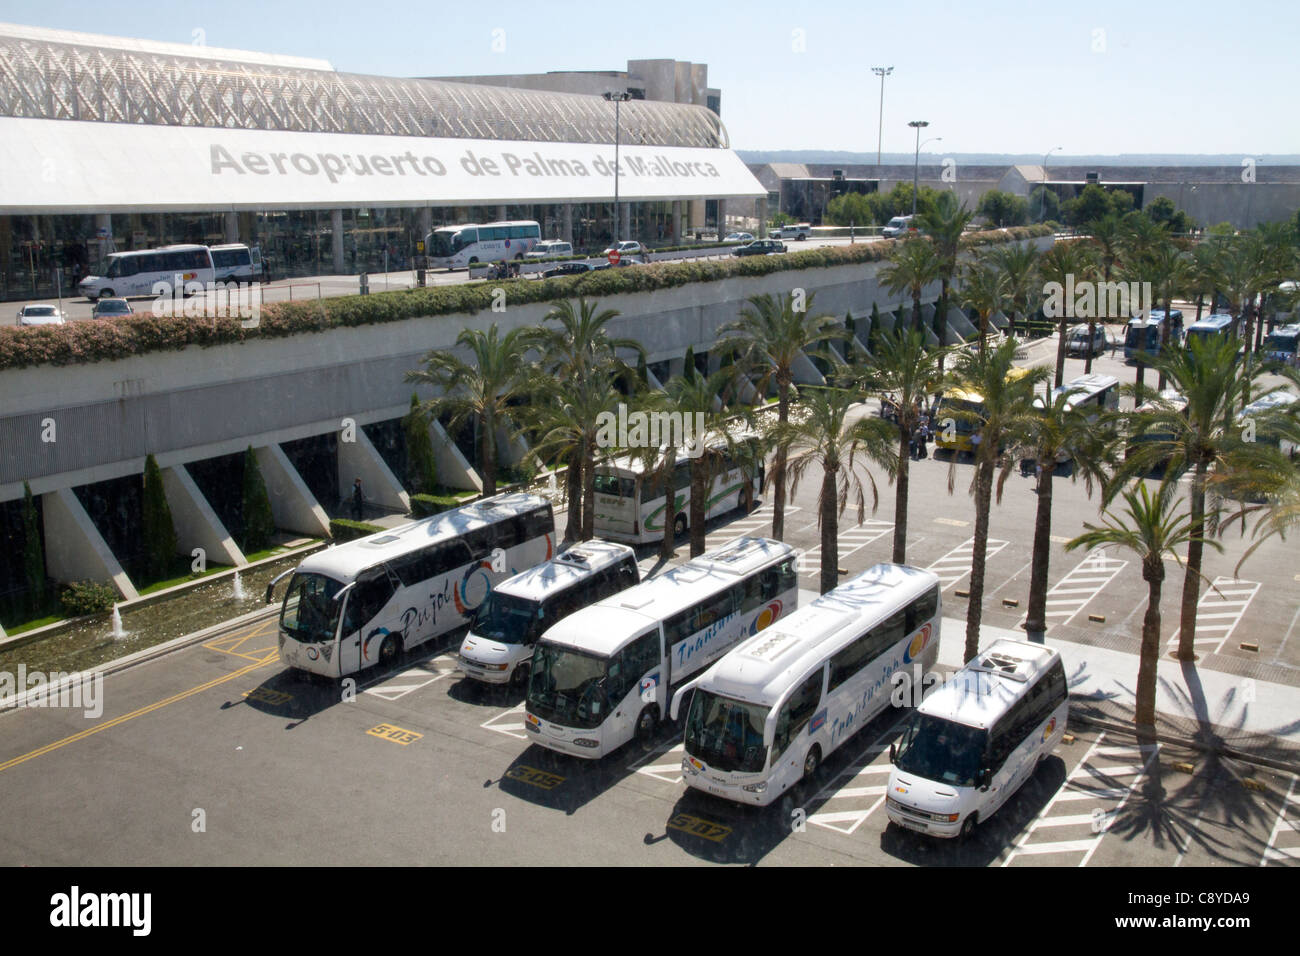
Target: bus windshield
(963, 425)
(567, 686)
(1281, 342)
(941, 750)
(310, 614)
(726, 734)
(509, 619)
(444, 243)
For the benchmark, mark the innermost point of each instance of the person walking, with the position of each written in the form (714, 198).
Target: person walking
(358, 500)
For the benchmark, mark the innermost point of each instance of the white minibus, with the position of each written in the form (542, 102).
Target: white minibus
(362, 603)
(500, 641)
(458, 247)
(1266, 413)
(765, 716)
(971, 744)
(1092, 394)
(631, 504)
(136, 273)
(237, 262)
(606, 673)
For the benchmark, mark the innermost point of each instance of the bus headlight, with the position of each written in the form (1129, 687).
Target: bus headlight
(586, 742)
(755, 787)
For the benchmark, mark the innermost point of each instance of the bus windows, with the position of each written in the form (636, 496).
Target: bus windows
(366, 600)
(796, 712)
(922, 609)
(682, 476)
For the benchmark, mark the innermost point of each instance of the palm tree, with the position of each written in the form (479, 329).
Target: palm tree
(1151, 528)
(1199, 439)
(1268, 486)
(984, 288)
(945, 224)
(1058, 435)
(481, 391)
(579, 340)
(1066, 263)
(913, 264)
(905, 367)
(823, 436)
(1165, 267)
(770, 336)
(706, 399)
(1204, 273)
(1107, 236)
(1019, 263)
(1007, 411)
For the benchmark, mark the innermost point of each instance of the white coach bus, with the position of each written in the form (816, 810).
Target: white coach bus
(975, 740)
(766, 715)
(135, 273)
(606, 673)
(459, 247)
(362, 603)
(631, 504)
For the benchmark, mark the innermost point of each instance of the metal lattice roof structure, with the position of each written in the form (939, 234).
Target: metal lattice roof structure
(48, 74)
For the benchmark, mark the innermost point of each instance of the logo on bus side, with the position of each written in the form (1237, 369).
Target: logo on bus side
(765, 617)
(1051, 726)
(917, 645)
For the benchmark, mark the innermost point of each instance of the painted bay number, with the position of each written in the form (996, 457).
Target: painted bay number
(396, 734)
(697, 827)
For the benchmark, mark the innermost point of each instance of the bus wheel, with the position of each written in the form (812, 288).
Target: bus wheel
(645, 726)
(812, 761)
(388, 650)
(679, 526)
(746, 499)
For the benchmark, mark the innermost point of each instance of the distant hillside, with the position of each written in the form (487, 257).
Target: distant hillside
(1011, 159)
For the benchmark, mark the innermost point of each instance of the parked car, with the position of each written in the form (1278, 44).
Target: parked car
(898, 226)
(111, 309)
(549, 248)
(628, 247)
(1077, 343)
(622, 264)
(567, 269)
(760, 247)
(739, 237)
(801, 231)
(40, 315)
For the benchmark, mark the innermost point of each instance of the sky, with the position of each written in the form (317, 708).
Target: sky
(1102, 77)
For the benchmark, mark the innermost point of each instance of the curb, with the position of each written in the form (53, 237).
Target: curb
(1162, 737)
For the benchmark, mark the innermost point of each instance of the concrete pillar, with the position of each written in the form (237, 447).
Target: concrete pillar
(760, 213)
(722, 218)
(104, 221)
(677, 222)
(426, 221)
(74, 548)
(501, 213)
(336, 239)
(197, 525)
(293, 505)
(453, 470)
(566, 222)
(805, 372)
(959, 327)
(625, 230)
(360, 459)
(232, 227)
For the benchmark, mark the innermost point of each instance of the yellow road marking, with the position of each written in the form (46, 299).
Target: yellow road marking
(148, 709)
(396, 734)
(535, 777)
(266, 695)
(697, 826)
(234, 645)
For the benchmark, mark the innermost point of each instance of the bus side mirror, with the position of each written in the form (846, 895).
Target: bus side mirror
(893, 753)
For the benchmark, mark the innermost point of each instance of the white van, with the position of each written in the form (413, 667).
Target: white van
(800, 231)
(136, 273)
(237, 262)
(972, 743)
(898, 226)
(549, 249)
(499, 645)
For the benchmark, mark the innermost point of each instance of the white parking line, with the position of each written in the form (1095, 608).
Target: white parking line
(754, 521)
(1073, 592)
(667, 772)
(510, 723)
(389, 690)
(955, 565)
(1221, 607)
(1272, 852)
(851, 540)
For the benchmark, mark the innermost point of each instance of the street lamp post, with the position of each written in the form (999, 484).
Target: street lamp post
(917, 125)
(1042, 195)
(618, 96)
(882, 72)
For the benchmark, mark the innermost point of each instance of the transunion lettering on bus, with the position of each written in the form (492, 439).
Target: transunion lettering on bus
(687, 648)
(845, 727)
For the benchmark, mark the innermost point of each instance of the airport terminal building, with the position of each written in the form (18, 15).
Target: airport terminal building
(113, 144)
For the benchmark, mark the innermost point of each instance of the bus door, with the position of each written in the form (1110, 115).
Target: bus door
(617, 503)
(366, 622)
(636, 679)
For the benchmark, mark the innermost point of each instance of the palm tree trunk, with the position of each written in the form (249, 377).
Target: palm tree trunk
(1145, 716)
(699, 503)
(900, 496)
(778, 464)
(1036, 616)
(1164, 338)
(573, 489)
(941, 322)
(1192, 576)
(489, 456)
(1087, 360)
(983, 499)
(830, 529)
(916, 310)
(667, 546)
(1060, 352)
(589, 488)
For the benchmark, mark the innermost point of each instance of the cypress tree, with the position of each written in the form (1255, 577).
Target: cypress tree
(688, 369)
(259, 524)
(33, 553)
(156, 528)
(642, 371)
(874, 332)
(421, 463)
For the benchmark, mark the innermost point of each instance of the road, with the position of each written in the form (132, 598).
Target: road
(215, 754)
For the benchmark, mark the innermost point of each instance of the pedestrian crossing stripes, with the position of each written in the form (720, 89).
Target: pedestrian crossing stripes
(1105, 777)
(1220, 611)
(1284, 842)
(849, 540)
(510, 723)
(955, 565)
(1070, 594)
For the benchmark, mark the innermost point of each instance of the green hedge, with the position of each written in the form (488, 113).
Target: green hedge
(422, 506)
(87, 597)
(79, 343)
(341, 529)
